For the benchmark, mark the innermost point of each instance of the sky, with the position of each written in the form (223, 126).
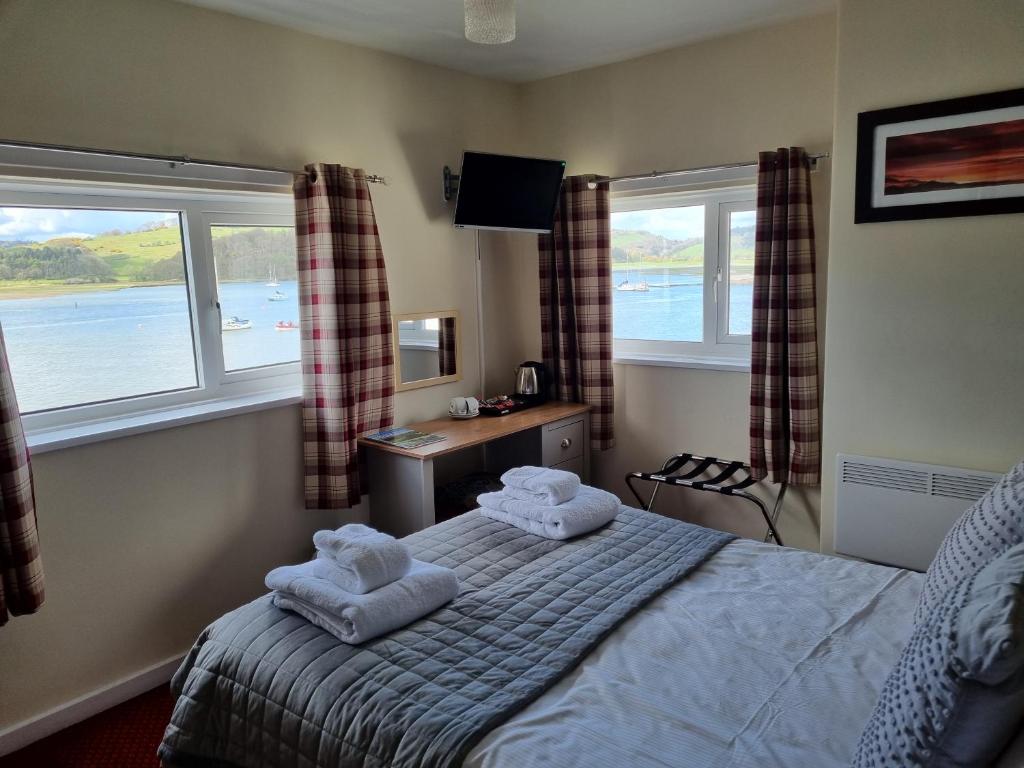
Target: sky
(38, 224)
(674, 223)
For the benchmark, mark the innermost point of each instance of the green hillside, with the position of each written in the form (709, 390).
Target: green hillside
(638, 249)
(148, 256)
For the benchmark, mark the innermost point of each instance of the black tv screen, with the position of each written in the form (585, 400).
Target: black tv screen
(504, 192)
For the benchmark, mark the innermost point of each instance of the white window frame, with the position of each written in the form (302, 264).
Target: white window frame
(217, 392)
(719, 349)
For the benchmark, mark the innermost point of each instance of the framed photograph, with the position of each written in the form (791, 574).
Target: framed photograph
(958, 157)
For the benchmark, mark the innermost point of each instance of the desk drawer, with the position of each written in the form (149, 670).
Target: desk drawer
(575, 466)
(562, 441)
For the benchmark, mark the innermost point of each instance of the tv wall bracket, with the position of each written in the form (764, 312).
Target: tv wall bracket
(450, 183)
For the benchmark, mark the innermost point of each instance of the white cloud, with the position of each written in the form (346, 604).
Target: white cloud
(676, 223)
(39, 224)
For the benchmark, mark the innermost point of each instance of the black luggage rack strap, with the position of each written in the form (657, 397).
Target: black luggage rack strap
(730, 478)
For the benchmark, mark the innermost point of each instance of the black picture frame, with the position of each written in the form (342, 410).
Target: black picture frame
(869, 122)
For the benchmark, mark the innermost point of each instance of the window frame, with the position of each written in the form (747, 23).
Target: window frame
(719, 349)
(243, 219)
(199, 209)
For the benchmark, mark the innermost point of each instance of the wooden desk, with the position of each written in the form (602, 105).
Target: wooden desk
(401, 480)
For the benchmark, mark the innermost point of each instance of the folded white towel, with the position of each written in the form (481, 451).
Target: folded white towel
(590, 509)
(357, 618)
(541, 485)
(366, 559)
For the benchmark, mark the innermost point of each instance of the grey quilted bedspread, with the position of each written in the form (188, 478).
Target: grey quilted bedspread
(264, 687)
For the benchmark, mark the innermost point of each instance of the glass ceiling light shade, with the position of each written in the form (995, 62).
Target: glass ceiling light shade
(490, 22)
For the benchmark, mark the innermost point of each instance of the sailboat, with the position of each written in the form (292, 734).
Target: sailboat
(272, 279)
(629, 285)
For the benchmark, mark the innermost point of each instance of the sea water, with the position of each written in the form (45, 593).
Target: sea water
(673, 313)
(101, 345)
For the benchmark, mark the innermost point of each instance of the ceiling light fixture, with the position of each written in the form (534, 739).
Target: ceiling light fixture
(490, 22)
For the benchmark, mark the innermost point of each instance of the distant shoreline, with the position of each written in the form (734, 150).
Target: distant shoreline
(23, 289)
(743, 275)
(44, 290)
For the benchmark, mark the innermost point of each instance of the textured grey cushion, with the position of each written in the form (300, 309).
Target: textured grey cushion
(990, 527)
(956, 695)
(264, 687)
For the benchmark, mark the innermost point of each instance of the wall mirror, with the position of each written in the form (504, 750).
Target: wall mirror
(428, 349)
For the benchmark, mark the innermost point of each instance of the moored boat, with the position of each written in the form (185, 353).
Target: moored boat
(234, 323)
(626, 285)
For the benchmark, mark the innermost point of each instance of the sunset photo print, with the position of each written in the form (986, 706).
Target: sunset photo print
(957, 158)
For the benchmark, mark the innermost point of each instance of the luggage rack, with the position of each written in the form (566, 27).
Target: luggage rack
(732, 479)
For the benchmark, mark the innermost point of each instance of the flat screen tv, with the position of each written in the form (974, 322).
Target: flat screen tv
(509, 193)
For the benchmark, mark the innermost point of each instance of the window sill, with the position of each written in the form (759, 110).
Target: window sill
(702, 363)
(58, 438)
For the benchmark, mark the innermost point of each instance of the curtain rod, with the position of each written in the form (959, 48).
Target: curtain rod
(173, 160)
(686, 171)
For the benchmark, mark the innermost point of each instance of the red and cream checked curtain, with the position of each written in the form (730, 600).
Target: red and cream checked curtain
(21, 569)
(576, 303)
(447, 350)
(784, 417)
(347, 358)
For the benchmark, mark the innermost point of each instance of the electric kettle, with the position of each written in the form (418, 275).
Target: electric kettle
(532, 382)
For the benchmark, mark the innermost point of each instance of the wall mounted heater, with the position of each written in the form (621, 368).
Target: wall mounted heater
(897, 512)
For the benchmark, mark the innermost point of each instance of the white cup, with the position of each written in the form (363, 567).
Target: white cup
(464, 406)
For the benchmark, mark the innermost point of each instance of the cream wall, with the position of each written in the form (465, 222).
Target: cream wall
(925, 346)
(146, 539)
(716, 102)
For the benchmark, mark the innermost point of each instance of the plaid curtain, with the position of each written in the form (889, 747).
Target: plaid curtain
(21, 569)
(576, 303)
(347, 359)
(784, 421)
(446, 351)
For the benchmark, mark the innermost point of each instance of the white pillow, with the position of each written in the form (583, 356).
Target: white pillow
(956, 695)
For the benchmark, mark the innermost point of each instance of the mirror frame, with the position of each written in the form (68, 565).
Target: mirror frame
(401, 386)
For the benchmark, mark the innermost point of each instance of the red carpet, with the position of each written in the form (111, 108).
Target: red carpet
(123, 737)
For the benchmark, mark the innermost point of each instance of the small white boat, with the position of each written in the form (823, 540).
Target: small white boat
(272, 279)
(626, 285)
(277, 296)
(286, 325)
(236, 324)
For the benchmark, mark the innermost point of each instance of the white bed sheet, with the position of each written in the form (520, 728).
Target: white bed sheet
(764, 657)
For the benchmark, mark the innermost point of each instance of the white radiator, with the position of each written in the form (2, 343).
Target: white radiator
(897, 512)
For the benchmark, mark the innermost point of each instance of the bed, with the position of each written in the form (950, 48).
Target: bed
(752, 655)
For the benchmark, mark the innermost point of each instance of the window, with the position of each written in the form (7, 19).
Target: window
(259, 294)
(120, 300)
(682, 276)
(419, 333)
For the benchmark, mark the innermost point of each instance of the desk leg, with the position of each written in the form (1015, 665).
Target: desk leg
(401, 493)
(587, 450)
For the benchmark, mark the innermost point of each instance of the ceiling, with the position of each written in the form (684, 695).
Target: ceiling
(554, 36)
